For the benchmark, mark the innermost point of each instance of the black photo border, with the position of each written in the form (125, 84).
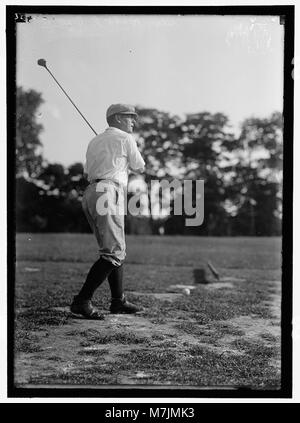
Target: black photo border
(15, 14)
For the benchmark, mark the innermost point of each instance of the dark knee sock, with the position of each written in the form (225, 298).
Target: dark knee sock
(97, 274)
(115, 280)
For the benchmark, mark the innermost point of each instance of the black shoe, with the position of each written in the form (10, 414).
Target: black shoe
(86, 309)
(121, 305)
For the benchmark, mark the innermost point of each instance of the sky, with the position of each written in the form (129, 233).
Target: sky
(178, 64)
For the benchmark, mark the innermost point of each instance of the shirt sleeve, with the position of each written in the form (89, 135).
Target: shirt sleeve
(135, 160)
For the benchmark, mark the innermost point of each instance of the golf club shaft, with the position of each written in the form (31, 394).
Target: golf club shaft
(213, 270)
(71, 101)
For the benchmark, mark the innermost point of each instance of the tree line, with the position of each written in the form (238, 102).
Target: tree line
(242, 173)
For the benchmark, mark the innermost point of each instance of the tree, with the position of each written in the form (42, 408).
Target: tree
(159, 133)
(29, 209)
(77, 183)
(54, 178)
(202, 137)
(158, 137)
(253, 176)
(61, 198)
(28, 158)
(187, 149)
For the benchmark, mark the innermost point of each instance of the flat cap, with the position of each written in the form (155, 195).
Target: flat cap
(124, 109)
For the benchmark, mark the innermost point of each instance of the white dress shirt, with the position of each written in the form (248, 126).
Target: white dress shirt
(111, 155)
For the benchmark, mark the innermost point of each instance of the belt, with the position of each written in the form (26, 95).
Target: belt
(93, 181)
(97, 180)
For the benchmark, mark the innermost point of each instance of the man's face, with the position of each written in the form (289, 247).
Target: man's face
(127, 122)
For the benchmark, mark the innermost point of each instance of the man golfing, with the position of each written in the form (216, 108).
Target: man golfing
(109, 158)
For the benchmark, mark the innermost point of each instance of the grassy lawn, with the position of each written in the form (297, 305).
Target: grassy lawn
(224, 333)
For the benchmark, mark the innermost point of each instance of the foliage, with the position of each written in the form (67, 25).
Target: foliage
(28, 159)
(242, 174)
(253, 189)
(158, 137)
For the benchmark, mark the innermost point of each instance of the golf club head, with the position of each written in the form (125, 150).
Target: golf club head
(42, 62)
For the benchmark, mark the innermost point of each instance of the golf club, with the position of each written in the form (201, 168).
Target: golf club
(42, 62)
(213, 270)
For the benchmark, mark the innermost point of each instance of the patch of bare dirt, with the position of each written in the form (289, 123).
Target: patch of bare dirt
(164, 296)
(66, 349)
(219, 285)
